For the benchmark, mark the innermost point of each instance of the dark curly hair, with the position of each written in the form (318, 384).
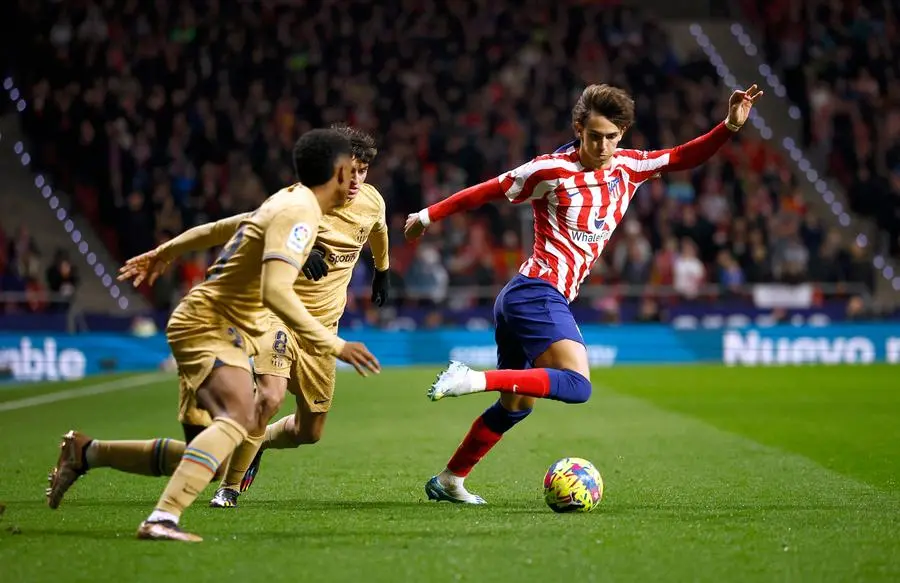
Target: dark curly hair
(362, 143)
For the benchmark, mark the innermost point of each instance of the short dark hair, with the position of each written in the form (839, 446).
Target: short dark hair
(613, 103)
(316, 153)
(362, 143)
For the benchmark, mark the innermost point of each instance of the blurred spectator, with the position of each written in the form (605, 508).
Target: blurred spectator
(730, 274)
(427, 279)
(688, 272)
(62, 280)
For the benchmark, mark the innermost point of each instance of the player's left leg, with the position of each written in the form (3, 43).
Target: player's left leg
(312, 382)
(545, 328)
(560, 373)
(272, 367)
(80, 453)
(270, 391)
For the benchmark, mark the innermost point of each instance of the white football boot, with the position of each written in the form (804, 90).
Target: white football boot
(454, 381)
(455, 492)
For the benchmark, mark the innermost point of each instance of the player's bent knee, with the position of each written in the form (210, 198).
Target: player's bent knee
(269, 397)
(310, 428)
(578, 389)
(566, 355)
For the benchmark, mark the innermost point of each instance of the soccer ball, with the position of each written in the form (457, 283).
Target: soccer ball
(573, 485)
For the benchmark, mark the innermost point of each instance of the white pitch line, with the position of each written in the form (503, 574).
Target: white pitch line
(98, 389)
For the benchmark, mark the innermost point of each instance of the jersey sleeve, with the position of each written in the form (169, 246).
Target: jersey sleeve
(643, 165)
(290, 234)
(534, 179)
(381, 222)
(379, 241)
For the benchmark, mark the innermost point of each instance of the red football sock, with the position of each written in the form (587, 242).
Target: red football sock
(534, 382)
(476, 444)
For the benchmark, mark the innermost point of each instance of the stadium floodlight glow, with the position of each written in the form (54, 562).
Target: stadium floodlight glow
(896, 283)
(796, 154)
(862, 240)
(62, 215)
(888, 272)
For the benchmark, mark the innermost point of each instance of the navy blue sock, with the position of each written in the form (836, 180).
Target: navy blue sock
(568, 386)
(499, 420)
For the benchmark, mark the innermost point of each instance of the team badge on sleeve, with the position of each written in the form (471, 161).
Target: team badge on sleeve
(299, 238)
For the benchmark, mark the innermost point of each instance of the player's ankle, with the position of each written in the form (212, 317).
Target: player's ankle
(477, 380)
(162, 516)
(89, 454)
(450, 480)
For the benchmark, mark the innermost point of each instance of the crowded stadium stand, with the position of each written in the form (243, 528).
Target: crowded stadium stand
(158, 116)
(840, 65)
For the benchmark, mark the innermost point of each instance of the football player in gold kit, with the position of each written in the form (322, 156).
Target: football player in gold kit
(335, 253)
(308, 373)
(214, 330)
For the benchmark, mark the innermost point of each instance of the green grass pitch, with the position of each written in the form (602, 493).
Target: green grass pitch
(712, 474)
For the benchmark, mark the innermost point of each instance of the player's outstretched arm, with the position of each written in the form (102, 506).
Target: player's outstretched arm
(464, 200)
(699, 150)
(150, 265)
(528, 182)
(277, 289)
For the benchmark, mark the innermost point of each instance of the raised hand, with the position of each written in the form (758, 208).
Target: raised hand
(740, 104)
(147, 266)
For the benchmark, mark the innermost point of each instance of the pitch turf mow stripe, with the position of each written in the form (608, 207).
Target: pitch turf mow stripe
(99, 389)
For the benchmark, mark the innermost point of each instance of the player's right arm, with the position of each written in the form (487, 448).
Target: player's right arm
(286, 246)
(201, 237)
(527, 182)
(153, 263)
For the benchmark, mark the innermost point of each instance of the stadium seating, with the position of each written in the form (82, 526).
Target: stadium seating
(155, 126)
(841, 67)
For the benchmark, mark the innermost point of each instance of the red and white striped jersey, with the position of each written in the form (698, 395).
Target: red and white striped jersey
(576, 210)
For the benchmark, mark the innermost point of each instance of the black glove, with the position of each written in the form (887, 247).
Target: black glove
(381, 287)
(315, 267)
